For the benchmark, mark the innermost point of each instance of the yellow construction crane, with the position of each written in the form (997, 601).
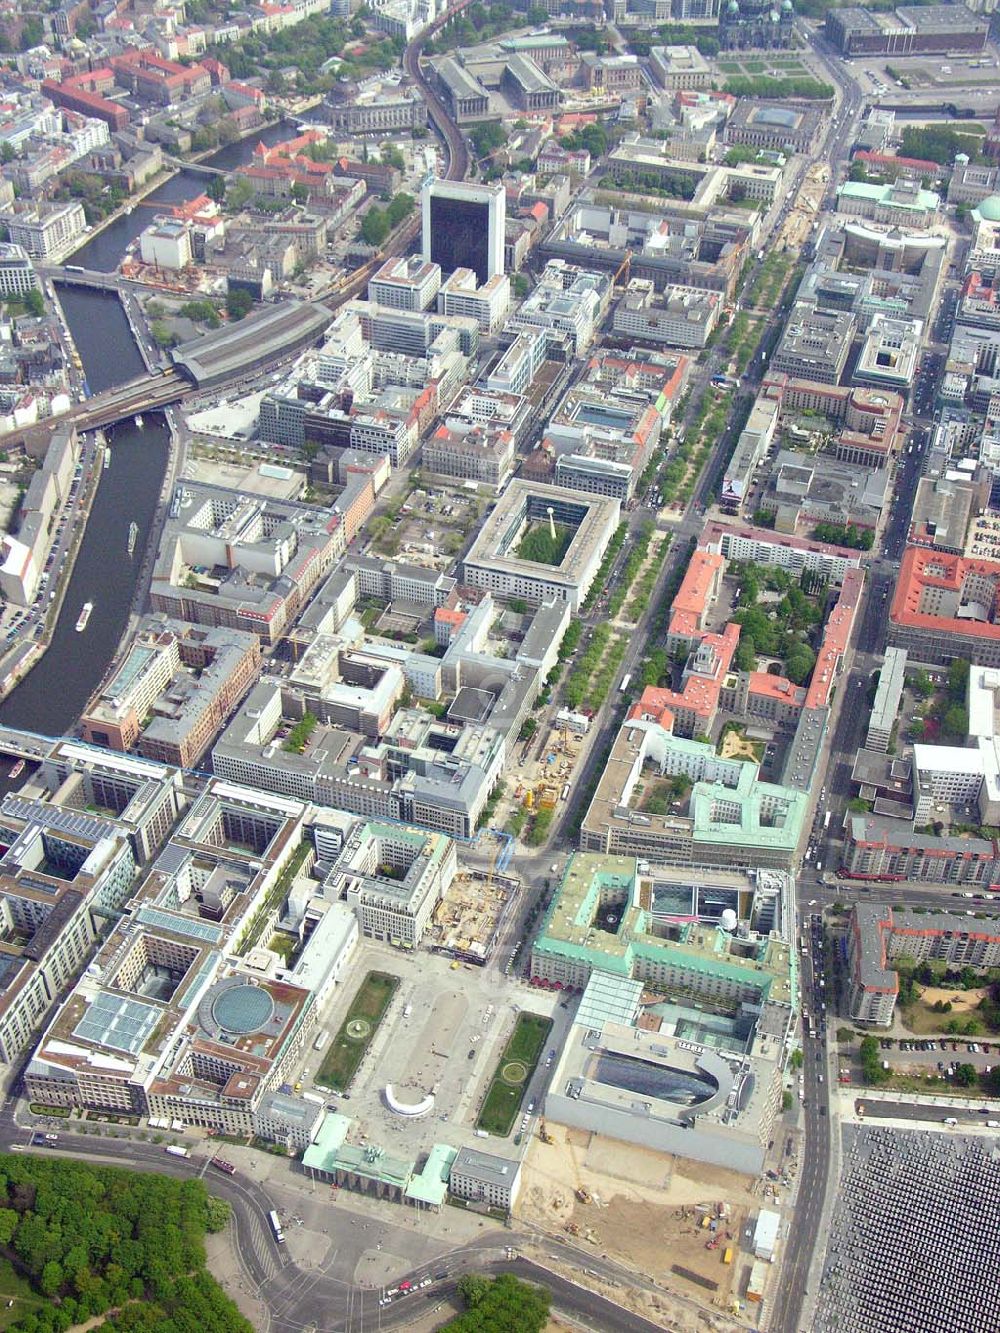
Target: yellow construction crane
(625, 267)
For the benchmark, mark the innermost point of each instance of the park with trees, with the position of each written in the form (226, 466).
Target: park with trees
(78, 1242)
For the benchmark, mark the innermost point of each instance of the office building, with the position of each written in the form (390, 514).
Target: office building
(945, 606)
(17, 275)
(240, 561)
(732, 818)
(587, 522)
(484, 1178)
(166, 244)
(885, 709)
(470, 451)
(930, 30)
(463, 227)
(460, 294)
(406, 284)
(889, 353)
(392, 878)
(815, 344)
(63, 877)
(763, 546)
(660, 243)
(293, 1122)
(677, 317)
(889, 850)
(46, 231)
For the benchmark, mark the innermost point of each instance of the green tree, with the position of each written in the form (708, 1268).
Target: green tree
(955, 721)
(35, 303)
(506, 1305)
(966, 1076)
(375, 227)
(799, 663)
(239, 194)
(7, 152)
(745, 658)
(32, 32)
(473, 1289)
(300, 192)
(239, 303)
(958, 680)
(921, 684)
(162, 334)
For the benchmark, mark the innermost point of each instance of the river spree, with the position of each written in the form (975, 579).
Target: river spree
(104, 253)
(52, 695)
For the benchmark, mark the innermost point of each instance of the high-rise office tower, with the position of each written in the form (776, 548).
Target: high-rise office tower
(463, 226)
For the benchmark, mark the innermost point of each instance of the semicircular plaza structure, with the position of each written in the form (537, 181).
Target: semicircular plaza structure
(412, 1110)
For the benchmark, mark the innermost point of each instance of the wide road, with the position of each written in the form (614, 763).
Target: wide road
(804, 1232)
(297, 1299)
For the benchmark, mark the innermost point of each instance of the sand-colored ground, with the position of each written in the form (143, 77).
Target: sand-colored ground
(646, 1209)
(960, 1000)
(735, 746)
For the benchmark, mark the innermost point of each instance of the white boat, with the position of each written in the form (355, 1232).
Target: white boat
(138, 421)
(133, 533)
(84, 616)
(107, 458)
(18, 769)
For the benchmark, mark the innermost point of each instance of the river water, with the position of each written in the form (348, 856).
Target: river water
(52, 696)
(105, 251)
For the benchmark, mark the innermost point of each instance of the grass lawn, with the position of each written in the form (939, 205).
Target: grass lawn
(513, 1074)
(539, 546)
(13, 1286)
(357, 1030)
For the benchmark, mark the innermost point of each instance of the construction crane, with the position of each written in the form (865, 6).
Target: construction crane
(625, 267)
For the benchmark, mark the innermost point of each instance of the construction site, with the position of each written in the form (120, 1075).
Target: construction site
(803, 215)
(680, 1222)
(545, 766)
(468, 919)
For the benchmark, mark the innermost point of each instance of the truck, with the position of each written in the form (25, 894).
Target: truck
(320, 1041)
(177, 1152)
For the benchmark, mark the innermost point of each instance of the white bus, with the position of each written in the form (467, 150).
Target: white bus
(279, 1235)
(625, 680)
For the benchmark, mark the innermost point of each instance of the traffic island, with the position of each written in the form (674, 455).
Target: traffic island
(355, 1034)
(513, 1074)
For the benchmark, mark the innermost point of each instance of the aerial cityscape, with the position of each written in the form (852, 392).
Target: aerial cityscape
(499, 666)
